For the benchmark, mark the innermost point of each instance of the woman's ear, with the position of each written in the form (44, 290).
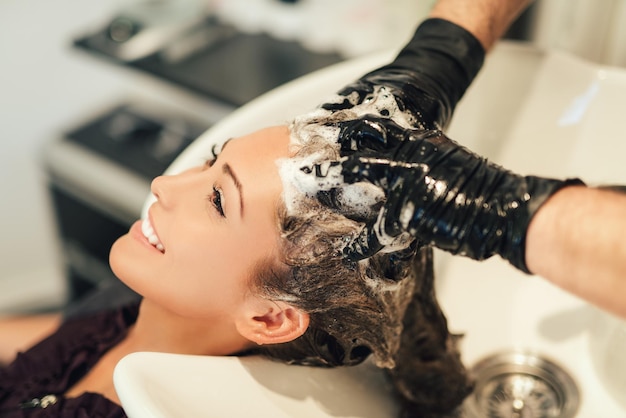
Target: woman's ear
(271, 322)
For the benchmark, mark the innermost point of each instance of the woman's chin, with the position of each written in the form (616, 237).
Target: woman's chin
(120, 260)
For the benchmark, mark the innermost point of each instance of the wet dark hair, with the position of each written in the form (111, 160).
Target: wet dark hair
(384, 306)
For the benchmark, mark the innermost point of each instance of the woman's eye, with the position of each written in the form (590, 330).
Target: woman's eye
(216, 200)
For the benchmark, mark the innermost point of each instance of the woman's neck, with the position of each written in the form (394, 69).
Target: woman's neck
(158, 329)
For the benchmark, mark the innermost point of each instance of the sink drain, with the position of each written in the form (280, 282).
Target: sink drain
(521, 385)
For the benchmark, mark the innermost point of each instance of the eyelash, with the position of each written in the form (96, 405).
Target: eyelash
(216, 196)
(216, 200)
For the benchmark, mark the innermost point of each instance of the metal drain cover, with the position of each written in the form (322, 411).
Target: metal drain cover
(521, 385)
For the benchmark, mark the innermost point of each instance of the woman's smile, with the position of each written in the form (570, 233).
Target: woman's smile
(148, 231)
(136, 231)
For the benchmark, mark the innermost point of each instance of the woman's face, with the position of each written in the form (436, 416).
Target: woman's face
(212, 226)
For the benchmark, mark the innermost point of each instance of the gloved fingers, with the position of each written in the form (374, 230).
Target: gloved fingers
(369, 134)
(399, 210)
(365, 245)
(359, 167)
(420, 146)
(408, 195)
(422, 134)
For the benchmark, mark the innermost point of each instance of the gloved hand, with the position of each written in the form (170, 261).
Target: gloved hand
(441, 194)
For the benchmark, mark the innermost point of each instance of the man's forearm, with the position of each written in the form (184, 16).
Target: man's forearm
(487, 20)
(577, 240)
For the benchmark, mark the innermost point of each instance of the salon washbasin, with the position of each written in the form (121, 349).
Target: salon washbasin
(570, 125)
(533, 111)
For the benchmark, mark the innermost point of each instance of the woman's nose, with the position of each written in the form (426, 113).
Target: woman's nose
(169, 189)
(161, 189)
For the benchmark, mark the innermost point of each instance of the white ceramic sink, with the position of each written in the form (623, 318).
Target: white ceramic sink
(190, 386)
(534, 112)
(570, 124)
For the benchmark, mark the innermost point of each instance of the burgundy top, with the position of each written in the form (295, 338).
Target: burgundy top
(57, 363)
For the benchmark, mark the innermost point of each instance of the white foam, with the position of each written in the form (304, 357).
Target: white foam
(299, 183)
(318, 126)
(318, 130)
(362, 198)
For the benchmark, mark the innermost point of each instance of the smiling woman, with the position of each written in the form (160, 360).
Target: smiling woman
(218, 221)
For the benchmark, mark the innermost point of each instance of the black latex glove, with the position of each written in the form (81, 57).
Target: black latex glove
(442, 194)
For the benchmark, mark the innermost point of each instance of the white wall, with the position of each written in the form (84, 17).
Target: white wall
(42, 87)
(592, 29)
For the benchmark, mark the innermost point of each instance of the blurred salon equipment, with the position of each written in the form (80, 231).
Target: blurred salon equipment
(186, 43)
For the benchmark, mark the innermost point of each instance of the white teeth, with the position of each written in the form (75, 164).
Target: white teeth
(148, 232)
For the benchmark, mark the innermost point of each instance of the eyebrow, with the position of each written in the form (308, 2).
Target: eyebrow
(227, 169)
